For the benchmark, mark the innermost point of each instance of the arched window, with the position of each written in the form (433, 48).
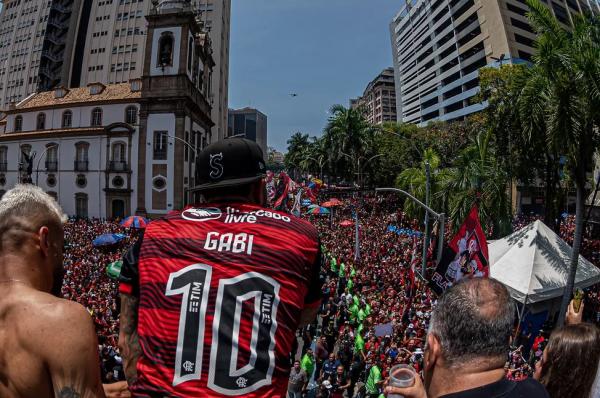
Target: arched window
(81, 156)
(118, 152)
(67, 119)
(118, 157)
(41, 121)
(131, 115)
(52, 157)
(96, 117)
(19, 123)
(26, 162)
(165, 49)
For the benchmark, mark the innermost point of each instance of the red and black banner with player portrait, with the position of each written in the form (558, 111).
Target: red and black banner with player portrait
(466, 256)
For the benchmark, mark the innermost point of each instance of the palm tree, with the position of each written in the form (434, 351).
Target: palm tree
(348, 138)
(561, 96)
(297, 145)
(414, 180)
(477, 177)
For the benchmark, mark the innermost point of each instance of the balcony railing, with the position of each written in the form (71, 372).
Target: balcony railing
(81, 165)
(51, 165)
(3, 167)
(116, 165)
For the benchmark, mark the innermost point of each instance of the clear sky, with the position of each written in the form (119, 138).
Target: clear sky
(326, 51)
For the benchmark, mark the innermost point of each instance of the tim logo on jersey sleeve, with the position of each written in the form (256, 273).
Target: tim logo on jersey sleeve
(201, 214)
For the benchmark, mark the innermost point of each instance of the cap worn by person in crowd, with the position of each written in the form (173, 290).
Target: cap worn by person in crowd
(229, 162)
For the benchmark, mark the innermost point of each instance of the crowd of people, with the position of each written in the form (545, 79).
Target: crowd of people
(87, 282)
(374, 314)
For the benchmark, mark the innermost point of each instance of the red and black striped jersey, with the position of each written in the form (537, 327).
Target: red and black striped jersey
(221, 288)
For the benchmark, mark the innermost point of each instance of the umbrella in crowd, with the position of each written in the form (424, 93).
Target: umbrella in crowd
(135, 222)
(333, 202)
(347, 223)
(113, 269)
(318, 210)
(108, 239)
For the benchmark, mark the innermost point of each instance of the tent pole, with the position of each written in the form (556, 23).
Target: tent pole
(520, 314)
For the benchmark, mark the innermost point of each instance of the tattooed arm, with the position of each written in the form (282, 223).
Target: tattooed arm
(128, 336)
(69, 347)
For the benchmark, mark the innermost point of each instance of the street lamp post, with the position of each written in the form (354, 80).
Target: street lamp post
(37, 168)
(440, 217)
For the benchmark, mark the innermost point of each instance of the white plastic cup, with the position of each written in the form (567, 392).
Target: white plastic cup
(401, 376)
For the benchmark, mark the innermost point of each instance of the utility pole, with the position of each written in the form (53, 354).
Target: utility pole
(426, 241)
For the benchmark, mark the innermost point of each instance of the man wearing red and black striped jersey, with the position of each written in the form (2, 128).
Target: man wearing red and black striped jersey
(216, 292)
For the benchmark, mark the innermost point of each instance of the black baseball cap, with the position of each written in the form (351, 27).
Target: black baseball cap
(229, 162)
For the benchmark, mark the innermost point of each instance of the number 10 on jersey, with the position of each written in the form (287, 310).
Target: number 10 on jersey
(224, 376)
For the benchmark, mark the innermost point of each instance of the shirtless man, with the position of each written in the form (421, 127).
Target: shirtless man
(48, 345)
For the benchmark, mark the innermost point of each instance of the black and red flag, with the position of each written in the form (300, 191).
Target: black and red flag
(466, 255)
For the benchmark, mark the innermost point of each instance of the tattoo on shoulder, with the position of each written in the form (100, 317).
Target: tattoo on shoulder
(68, 392)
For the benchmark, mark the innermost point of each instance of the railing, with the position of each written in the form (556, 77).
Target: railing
(47, 72)
(60, 8)
(3, 166)
(116, 165)
(51, 165)
(52, 56)
(57, 22)
(81, 165)
(56, 39)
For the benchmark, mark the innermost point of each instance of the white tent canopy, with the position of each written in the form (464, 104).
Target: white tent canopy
(533, 263)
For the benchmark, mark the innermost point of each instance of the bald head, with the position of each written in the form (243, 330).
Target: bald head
(23, 211)
(473, 321)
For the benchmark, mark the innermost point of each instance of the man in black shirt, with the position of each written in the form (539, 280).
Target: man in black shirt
(467, 345)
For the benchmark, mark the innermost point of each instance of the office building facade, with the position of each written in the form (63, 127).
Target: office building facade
(438, 47)
(249, 123)
(74, 43)
(378, 101)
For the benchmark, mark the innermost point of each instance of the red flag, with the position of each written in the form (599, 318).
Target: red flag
(470, 244)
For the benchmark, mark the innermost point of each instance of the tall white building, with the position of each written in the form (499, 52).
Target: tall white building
(119, 149)
(438, 47)
(44, 43)
(34, 42)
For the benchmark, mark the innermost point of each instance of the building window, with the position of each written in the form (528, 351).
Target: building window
(81, 205)
(190, 52)
(52, 157)
(131, 115)
(118, 152)
(96, 117)
(118, 161)
(51, 180)
(160, 145)
(67, 119)
(81, 156)
(81, 181)
(159, 183)
(118, 182)
(19, 123)
(3, 158)
(41, 121)
(165, 49)
(187, 148)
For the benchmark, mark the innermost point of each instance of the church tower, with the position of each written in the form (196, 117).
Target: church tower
(175, 121)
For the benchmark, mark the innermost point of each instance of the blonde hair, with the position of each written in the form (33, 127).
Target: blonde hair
(27, 208)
